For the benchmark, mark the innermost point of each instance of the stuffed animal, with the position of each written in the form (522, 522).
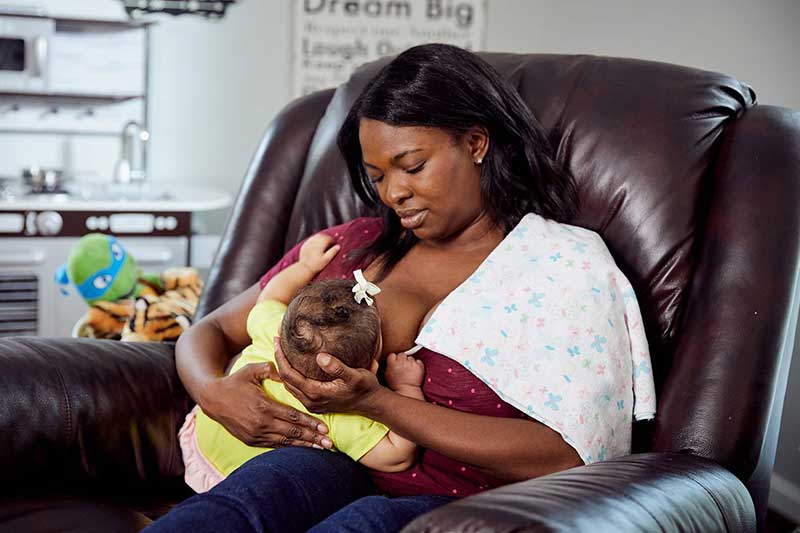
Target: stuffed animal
(147, 318)
(106, 320)
(123, 303)
(165, 317)
(101, 270)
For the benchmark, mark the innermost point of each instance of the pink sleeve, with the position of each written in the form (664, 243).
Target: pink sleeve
(293, 255)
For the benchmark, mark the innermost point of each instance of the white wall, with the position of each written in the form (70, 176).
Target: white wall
(756, 42)
(215, 86)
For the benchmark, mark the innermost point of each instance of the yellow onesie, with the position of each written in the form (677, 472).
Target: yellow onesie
(353, 435)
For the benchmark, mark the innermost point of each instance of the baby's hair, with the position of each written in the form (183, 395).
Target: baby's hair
(324, 317)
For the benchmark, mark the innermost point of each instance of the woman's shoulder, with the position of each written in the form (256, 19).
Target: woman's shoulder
(544, 232)
(360, 225)
(356, 233)
(351, 235)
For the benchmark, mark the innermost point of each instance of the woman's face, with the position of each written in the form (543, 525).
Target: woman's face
(429, 178)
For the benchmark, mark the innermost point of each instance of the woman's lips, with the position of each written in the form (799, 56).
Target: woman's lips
(412, 219)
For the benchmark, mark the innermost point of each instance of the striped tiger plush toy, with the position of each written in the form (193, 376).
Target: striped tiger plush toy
(149, 318)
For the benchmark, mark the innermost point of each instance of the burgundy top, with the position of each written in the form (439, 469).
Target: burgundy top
(446, 383)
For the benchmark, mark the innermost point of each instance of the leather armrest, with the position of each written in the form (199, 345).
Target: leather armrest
(643, 492)
(89, 412)
(64, 514)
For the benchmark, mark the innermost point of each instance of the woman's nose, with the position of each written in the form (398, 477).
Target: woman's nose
(397, 190)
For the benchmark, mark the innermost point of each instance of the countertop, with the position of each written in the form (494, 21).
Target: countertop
(184, 197)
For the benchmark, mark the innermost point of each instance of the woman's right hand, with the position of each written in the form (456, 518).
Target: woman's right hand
(239, 403)
(351, 391)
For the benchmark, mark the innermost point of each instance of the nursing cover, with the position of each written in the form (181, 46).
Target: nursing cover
(551, 324)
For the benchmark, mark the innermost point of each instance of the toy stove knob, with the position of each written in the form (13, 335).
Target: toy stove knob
(49, 223)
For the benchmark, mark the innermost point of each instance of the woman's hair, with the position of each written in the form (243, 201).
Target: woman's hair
(324, 317)
(443, 86)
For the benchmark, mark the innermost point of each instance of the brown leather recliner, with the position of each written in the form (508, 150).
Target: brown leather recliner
(693, 187)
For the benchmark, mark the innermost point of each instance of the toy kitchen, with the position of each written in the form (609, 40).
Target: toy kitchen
(73, 160)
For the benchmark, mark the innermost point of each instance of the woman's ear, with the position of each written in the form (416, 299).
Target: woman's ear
(477, 139)
(374, 366)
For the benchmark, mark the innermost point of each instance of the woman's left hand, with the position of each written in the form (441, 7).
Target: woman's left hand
(350, 390)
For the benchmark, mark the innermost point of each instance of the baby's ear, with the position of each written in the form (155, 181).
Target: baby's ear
(374, 366)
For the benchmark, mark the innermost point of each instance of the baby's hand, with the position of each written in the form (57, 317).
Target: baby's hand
(403, 371)
(317, 252)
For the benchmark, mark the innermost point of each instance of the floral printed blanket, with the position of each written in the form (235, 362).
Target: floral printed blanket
(553, 326)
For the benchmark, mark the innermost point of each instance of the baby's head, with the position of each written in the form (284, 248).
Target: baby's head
(325, 317)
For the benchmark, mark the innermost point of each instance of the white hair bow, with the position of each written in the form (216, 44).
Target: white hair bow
(363, 289)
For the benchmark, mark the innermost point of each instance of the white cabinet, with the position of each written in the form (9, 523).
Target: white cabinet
(106, 60)
(95, 80)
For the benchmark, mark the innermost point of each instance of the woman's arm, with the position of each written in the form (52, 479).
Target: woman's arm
(396, 453)
(511, 449)
(508, 448)
(238, 401)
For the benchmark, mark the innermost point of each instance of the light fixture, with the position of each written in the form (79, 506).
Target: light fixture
(208, 8)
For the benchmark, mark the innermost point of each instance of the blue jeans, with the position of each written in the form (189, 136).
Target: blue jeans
(294, 489)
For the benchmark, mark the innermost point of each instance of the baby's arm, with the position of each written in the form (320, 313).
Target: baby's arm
(315, 254)
(394, 453)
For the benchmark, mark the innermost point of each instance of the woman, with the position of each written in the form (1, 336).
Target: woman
(456, 159)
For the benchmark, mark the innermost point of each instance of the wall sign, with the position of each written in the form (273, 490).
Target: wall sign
(333, 37)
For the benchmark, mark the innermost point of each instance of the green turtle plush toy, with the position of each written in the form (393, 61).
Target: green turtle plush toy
(124, 303)
(102, 270)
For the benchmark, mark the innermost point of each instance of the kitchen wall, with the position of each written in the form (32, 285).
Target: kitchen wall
(215, 85)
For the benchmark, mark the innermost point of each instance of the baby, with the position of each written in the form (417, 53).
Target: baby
(331, 316)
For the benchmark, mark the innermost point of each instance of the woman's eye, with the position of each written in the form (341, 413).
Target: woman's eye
(376, 180)
(416, 169)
